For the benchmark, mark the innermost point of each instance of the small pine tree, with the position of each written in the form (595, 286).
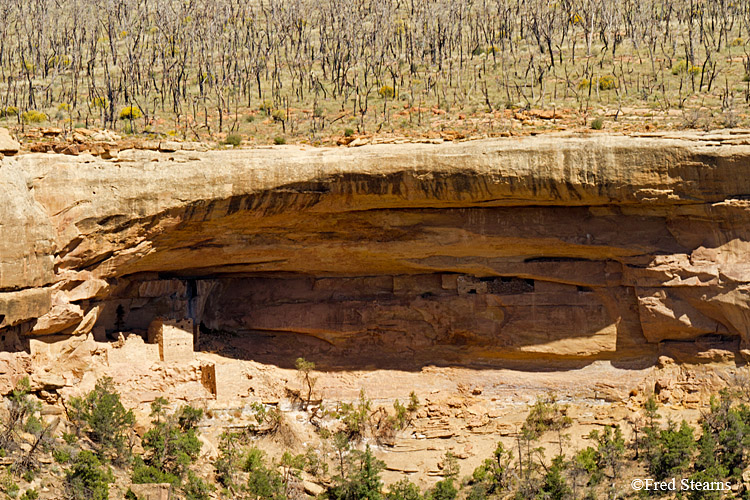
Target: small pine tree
(610, 449)
(707, 467)
(304, 373)
(87, 479)
(262, 482)
(555, 486)
(196, 489)
(363, 483)
(494, 475)
(101, 415)
(674, 450)
(171, 445)
(404, 490)
(21, 408)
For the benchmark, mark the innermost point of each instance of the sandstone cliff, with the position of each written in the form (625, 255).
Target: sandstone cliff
(600, 247)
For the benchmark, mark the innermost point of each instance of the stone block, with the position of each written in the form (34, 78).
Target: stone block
(175, 339)
(152, 491)
(231, 383)
(449, 281)
(8, 145)
(39, 349)
(134, 352)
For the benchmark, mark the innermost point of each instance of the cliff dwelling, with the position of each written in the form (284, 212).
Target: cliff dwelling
(573, 249)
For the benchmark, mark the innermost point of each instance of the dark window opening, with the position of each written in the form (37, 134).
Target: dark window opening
(583, 288)
(192, 288)
(473, 290)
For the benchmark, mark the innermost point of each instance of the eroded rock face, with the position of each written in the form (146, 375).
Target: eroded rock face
(537, 247)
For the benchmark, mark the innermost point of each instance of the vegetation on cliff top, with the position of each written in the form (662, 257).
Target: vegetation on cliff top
(311, 70)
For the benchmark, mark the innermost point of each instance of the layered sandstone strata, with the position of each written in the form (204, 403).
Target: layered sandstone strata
(582, 247)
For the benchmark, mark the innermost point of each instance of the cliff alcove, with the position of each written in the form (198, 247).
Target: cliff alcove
(535, 249)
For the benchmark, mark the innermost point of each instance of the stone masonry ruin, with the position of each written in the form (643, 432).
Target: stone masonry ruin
(537, 248)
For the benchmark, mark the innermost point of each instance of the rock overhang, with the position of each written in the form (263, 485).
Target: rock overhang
(628, 242)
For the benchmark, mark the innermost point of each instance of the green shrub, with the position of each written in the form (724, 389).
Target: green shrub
(262, 482)
(101, 415)
(9, 111)
(348, 132)
(33, 116)
(444, 490)
(268, 419)
(546, 415)
(597, 124)
(87, 479)
(171, 445)
(355, 417)
(679, 67)
(609, 450)
(130, 113)
(314, 464)
(672, 451)
(387, 92)
(266, 107)
(30, 494)
(278, 140)
(61, 455)
(145, 474)
(493, 475)
(607, 82)
(233, 139)
(279, 115)
(362, 482)
(229, 459)
(584, 84)
(99, 102)
(8, 485)
(196, 488)
(250, 118)
(21, 407)
(404, 490)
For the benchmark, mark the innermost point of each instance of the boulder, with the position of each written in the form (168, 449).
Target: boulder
(58, 319)
(8, 145)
